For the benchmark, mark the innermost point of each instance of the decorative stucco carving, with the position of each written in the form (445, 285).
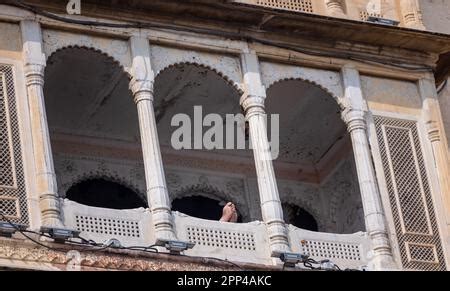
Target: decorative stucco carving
(219, 187)
(71, 170)
(40, 258)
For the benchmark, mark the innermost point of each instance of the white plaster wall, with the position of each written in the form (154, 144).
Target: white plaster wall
(436, 15)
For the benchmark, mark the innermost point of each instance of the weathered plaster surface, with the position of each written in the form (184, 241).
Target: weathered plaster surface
(391, 95)
(444, 101)
(436, 15)
(10, 41)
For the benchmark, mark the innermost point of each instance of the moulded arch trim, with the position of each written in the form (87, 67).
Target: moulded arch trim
(94, 50)
(222, 75)
(111, 177)
(208, 191)
(116, 48)
(339, 100)
(321, 225)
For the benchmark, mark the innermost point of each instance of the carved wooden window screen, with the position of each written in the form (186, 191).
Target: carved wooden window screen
(409, 194)
(13, 198)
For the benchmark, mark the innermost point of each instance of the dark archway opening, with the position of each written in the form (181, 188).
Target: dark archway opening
(299, 217)
(200, 207)
(106, 194)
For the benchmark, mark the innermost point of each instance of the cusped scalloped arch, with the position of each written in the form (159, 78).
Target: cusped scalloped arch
(208, 191)
(230, 82)
(329, 81)
(116, 49)
(227, 67)
(111, 176)
(94, 50)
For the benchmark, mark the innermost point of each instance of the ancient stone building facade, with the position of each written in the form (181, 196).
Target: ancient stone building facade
(360, 87)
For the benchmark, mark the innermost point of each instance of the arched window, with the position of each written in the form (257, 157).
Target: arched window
(200, 207)
(100, 192)
(299, 217)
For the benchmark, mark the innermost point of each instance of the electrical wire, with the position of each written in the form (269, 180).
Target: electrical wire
(102, 247)
(96, 247)
(242, 35)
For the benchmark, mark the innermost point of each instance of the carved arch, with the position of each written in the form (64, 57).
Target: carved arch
(222, 75)
(93, 50)
(106, 175)
(117, 49)
(211, 192)
(338, 99)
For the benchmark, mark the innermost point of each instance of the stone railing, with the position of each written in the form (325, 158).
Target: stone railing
(243, 242)
(345, 250)
(130, 227)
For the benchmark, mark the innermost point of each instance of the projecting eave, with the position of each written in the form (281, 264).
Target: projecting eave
(231, 18)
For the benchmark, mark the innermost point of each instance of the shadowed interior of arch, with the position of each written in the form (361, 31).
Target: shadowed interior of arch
(201, 207)
(316, 148)
(93, 124)
(178, 89)
(101, 192)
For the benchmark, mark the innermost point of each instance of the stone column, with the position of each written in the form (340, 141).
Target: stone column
(253, 104)
(142, 87)
(355, 117)
(335, 8)
(34, 61)
(412, 16)
(436, 134)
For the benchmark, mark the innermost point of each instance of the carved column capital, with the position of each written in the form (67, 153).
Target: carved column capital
(34, 74)
(434, 134)
(355, 119)
(142, 90)
(253, 104)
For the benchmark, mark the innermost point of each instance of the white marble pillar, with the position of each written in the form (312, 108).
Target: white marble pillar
(433, 121)
(34, 62)
(355, 117)
(335, 8)
(142, 87)
(411, 13)
(253, 104)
